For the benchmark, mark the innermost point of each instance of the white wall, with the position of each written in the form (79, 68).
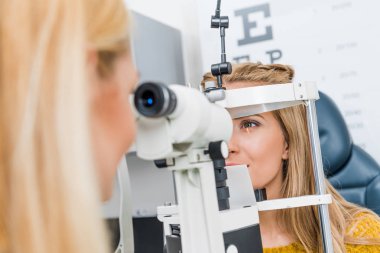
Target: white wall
(166, 11)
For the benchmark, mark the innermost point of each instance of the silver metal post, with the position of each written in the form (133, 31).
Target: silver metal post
(126, 243)
(319, 175)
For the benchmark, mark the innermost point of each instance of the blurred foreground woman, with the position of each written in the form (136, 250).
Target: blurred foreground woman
(65, 120)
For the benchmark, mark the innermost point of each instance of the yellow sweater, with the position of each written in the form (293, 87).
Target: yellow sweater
(364, 227)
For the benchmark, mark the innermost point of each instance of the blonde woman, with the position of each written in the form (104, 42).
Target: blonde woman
(65, 120)
(275, 146)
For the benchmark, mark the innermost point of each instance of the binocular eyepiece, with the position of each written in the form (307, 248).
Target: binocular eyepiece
(155, 100)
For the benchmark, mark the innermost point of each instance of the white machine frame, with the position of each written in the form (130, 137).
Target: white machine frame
(197, 212)
(202, 225)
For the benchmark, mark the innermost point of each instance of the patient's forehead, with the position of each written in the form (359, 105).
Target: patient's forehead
(242, 84)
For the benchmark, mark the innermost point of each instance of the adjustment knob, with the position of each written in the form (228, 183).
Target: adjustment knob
(232, 249)
(218, 150)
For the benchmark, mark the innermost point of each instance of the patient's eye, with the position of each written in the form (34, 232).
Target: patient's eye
(248, 124)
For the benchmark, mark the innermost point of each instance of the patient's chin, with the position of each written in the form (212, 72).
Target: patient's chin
(258, 185)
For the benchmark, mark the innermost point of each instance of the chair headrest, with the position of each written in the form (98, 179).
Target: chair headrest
(336, 141)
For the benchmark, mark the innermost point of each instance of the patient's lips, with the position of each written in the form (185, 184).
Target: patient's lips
(235, 164)
(232, 164)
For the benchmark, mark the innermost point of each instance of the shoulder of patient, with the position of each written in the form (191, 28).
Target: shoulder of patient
(364, 225)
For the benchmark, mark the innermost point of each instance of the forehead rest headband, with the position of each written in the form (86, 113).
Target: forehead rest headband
(243, 102)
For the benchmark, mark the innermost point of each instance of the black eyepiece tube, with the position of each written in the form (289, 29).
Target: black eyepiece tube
(155, 100)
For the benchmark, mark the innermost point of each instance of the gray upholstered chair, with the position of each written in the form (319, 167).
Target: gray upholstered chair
(352, 171)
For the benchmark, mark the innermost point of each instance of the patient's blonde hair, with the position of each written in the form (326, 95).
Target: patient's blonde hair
(49, 199)
(301, 223)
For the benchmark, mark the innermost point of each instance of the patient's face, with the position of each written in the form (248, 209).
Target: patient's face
(258, 142)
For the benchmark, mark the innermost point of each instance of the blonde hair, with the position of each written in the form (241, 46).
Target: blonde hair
(301, 223)
(49, 196)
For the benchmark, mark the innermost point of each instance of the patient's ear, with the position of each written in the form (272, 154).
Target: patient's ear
(285, 153)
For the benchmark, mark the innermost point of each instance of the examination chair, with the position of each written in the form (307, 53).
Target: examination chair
(351, 170)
